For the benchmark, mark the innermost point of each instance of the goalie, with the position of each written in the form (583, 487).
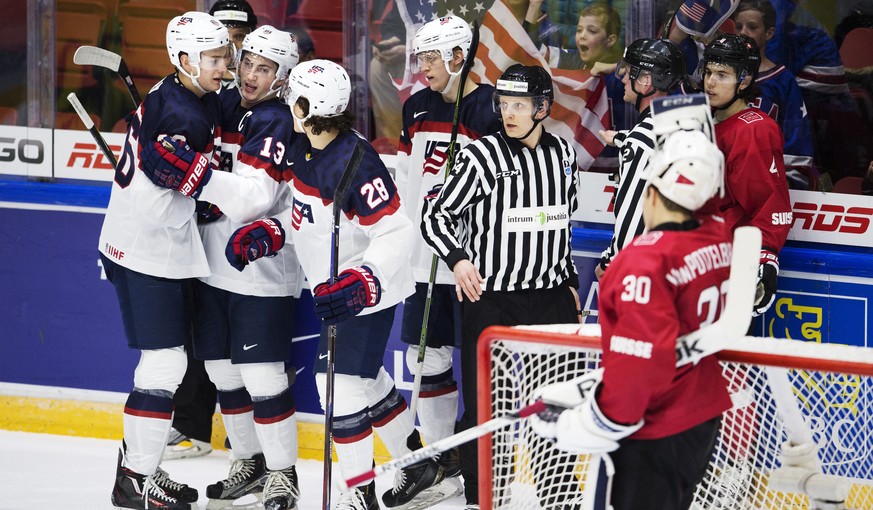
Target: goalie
(657, 423)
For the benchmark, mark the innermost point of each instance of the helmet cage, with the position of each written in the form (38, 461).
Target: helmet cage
(688, 169)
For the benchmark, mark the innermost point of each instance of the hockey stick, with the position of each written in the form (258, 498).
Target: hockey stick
(94, 56)
(89, 125)
(434, 261)
(447, 443)
(731, 324)
(339, 195)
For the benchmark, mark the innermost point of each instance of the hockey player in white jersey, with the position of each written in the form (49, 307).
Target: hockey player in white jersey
(245, 314)
(151, 251)
(375, 238)
(440, 48)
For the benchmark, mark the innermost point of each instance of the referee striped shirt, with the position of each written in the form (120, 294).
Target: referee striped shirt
(507, 209)
(635, 148)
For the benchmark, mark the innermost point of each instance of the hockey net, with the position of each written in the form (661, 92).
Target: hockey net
(827, 388)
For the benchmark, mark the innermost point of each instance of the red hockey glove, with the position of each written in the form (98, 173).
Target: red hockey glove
(262, 238)
(173, 164)
(765, 293)
(356, 288)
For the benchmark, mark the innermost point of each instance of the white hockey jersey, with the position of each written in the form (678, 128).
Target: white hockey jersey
(374, 228)
(422, 157)
(255, 141)
(148, 229)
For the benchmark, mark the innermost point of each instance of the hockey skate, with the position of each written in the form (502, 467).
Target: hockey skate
(281, 490)
(180, 491)
(359, 498)
(450, 461)
(137, 491)
(246, 477)
(180, 446)
(413, 481)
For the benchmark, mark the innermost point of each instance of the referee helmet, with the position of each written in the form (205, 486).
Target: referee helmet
(661, 58)
(235, 13)
(525, 81)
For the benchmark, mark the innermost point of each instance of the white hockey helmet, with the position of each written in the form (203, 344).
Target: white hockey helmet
(192, 33)
(275, 45)
(444, 35)
(688, 169)
(324, 83)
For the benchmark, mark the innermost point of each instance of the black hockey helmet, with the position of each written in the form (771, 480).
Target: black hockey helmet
(235, 13)
(525, 81)
(737, 51)
(661, 58)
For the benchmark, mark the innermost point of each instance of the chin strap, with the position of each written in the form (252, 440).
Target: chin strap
(193, 78)
(453, 77)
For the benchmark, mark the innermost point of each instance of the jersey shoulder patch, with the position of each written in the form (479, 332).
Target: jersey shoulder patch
(648, 238)
(751, 116)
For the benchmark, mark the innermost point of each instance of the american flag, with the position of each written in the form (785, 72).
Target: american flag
(703, 17)
(581, 106)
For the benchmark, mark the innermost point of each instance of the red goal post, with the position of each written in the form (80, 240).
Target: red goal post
(820, 394)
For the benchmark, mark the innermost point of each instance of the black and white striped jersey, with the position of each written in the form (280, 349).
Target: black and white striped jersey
(635, 147)
(507, 208)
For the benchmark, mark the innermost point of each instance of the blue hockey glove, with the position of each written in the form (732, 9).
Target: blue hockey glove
(206, 212)
(262, 238)
(173, 164)
(356, 288)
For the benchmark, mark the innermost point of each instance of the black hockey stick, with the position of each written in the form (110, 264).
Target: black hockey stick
(94, 56)
(89, 125)
(434, 261)
(339, 196)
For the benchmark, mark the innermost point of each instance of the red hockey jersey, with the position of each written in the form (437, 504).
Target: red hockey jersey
(665, 284)
(756, 190)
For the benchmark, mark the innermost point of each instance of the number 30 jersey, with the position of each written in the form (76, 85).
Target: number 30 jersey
(666, 283)
(374, 229)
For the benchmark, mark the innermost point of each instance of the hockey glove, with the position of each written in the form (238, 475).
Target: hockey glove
(263, 238)
(765, 292)
(434, 192)
(173, 164)
(206, 212)
(585, 429)
(560, 397)
(356, 288)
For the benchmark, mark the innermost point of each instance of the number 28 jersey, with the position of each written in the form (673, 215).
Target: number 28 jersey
(374, 229)
(665, 284)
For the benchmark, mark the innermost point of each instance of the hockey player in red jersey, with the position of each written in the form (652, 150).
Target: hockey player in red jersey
(657, 423)
(756, 190)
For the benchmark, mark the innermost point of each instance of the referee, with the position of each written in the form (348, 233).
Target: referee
(502, 224)
(650, 68)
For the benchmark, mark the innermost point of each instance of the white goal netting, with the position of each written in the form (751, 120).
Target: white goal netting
(824, 392)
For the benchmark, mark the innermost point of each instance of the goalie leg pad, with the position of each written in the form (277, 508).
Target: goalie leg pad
(161, 369)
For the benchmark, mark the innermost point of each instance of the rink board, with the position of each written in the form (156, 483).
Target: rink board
(62, 328)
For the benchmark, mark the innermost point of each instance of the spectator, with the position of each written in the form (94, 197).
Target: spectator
(387, 65)
(780, 96)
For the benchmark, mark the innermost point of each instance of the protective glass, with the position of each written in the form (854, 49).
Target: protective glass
(633, 72)
(220, 58)
(512, 104)
(259, 66)
(425, 58)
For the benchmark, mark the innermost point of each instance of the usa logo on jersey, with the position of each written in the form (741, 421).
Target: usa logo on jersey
(299, 212)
